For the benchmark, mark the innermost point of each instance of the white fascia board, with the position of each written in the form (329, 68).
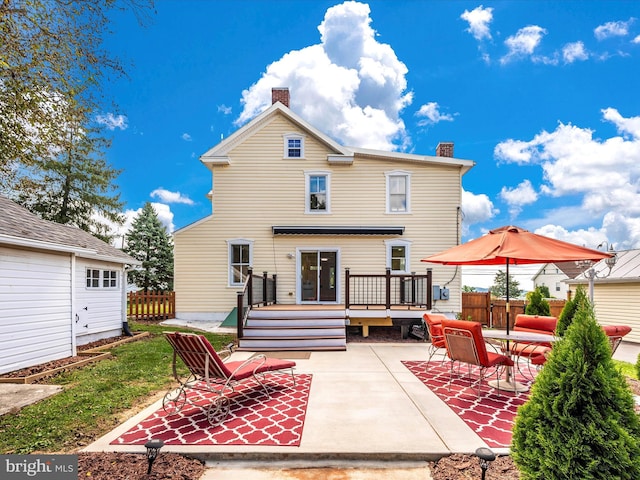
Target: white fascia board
(340, 159)
(465, 165)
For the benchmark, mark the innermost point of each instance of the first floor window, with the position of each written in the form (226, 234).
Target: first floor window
(398, 255)
(101, 278)
(239, 262)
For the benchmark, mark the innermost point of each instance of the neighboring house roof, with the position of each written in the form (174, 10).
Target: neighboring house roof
(20, 227)
(570, 269)
(625, 270)
(341, 154)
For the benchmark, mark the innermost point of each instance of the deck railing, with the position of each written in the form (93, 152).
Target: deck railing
(388, 290)
(258, 290)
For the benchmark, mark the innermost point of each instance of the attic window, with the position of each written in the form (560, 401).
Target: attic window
(293, 146)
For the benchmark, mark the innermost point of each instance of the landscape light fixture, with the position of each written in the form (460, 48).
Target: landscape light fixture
(153, 447)
(486, 456)
(590, 273)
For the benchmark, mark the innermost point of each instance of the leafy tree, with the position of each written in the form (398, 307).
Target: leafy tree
(51, 66)
(75, 187)
(468, 289)
(536, 304)
(499, 288)
(149, 242)
(570, 308)
(579, 421)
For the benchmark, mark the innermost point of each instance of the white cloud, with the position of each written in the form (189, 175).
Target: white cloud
(432, 115)
(349, 85)
(613, 29)
(224, 109)
(170, 197)
(636, 40)
(112, 121)
(186, 137)
(575, 51)
(523, 43)
(518, 197)
(476, 209)
(603, 173)
(479, 19)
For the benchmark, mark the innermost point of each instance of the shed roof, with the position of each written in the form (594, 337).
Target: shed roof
(20, 227)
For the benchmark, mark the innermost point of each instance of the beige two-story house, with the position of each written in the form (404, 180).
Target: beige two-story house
(288, 200)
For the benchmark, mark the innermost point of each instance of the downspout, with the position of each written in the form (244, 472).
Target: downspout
(125, 321)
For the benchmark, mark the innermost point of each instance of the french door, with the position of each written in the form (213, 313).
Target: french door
(318, 276)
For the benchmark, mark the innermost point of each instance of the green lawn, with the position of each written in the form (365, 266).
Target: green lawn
(95, 397)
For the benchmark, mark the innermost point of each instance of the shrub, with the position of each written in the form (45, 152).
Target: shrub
(569, 310)
(579, 421)
(537, 305)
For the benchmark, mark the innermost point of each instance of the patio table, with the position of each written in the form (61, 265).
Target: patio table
(509, 384)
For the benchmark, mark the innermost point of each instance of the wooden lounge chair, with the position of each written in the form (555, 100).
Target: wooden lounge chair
(465, 344)
(208, 372)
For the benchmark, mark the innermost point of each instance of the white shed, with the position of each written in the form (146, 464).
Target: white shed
(59, 287)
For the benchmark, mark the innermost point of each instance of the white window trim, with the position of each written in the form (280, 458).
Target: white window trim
(285, 144)
(230, 244)
(101, 278)
(307, 192)
(398, 173)
(389, 244)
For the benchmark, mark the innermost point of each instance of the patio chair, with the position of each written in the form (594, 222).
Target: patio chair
(465, 344)
(208, 372)
(433, 323)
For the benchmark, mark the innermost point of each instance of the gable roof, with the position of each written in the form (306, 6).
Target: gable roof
(20, 227)
(217, 155)
(570, 269)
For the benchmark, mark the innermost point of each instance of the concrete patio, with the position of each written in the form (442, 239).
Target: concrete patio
(365, 408)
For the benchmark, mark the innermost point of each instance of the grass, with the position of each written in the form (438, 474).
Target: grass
(96, 397)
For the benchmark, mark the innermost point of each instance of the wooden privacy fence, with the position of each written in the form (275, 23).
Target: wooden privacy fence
(480, 307)
(151, 305)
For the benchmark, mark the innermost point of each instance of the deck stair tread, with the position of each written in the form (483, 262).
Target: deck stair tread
(290, 329)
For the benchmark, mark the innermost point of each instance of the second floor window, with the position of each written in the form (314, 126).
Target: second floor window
(317, 192)
(398, 192)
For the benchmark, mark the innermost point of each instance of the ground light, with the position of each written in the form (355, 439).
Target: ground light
(153, 447)
(486, 456)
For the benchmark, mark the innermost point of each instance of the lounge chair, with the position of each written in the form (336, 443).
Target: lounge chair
(433, 322)
(210, 373)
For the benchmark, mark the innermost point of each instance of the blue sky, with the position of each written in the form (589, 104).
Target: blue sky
(542, 95)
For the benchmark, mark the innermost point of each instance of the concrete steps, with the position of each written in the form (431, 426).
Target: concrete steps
(289, 330)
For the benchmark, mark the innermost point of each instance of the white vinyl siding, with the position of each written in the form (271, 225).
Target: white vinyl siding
(98, 311)
(618, 304)
(35, 318)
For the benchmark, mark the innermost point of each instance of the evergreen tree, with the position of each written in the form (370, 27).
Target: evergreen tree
(76, 186)
(537, 305)
(499, 287)
(579, 421)
(570, 308)
(149, 242)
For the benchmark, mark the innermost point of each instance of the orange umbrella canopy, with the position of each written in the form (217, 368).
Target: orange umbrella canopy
(515, 246)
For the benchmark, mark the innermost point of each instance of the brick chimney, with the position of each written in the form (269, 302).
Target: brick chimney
(280, 94)
(444, 149)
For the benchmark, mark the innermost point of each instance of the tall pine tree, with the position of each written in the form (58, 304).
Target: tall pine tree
(149, 242)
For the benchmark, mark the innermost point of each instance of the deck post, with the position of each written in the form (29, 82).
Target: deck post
(429, 291)
(265, 276)
(240, 314)
(346, 288)
(388, 288)
(275, 290)
(249, 288)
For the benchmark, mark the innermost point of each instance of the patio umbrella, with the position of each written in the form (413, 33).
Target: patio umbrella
(512, 245)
